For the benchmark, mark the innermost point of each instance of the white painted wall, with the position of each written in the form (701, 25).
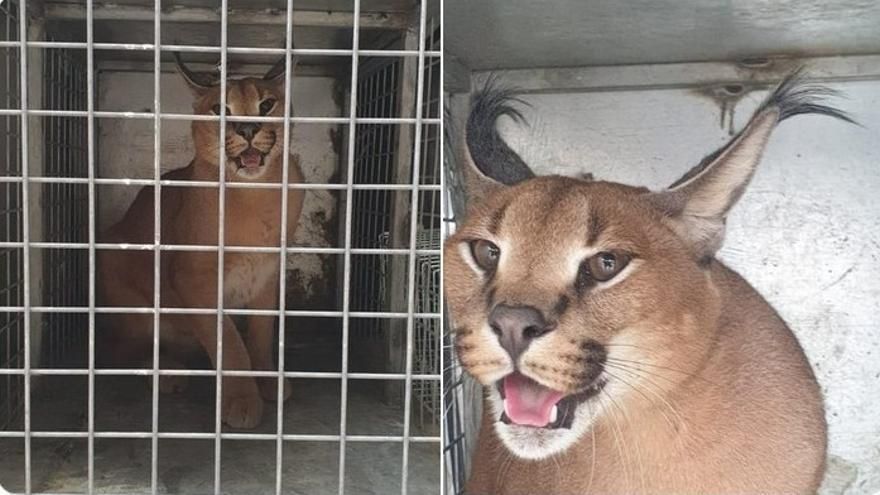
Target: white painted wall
(125, 149)
(806, 233)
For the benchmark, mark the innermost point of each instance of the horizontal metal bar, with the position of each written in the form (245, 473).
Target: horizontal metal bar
(687, 75)
(214, 311)
(208, 249)
(135, 435)
(214, 118)
(146, 67)
(213, 373)
(205, 183)
(269, 16)
(138, 47)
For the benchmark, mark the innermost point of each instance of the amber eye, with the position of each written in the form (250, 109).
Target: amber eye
(216, 109)
(267, 105)
(606, 265)
(485, 254)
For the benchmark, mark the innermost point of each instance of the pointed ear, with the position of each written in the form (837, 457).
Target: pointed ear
(697, 204)
(276, 72)
(489, 164)
(476, 184)
(198, 82)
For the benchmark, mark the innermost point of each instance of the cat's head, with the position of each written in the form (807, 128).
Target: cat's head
(252, 146)
(571, 299)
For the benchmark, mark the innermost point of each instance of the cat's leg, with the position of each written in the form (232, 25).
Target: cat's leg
(242, 404)
(260, 340)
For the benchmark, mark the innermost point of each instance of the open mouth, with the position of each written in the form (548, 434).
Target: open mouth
(528, 403)
(250, 159)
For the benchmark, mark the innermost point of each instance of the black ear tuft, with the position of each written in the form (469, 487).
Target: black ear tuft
(276, 71)
(196, 80)
(792, 96)
(491, 155)
(280, 66)
(696, 205)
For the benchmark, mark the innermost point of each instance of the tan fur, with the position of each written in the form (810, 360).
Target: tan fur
(708, 390)
(189, 278)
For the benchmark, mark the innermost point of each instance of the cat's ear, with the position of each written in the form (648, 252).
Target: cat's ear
(488, 162)
(277, 72)
(697, 204)
(198, 82)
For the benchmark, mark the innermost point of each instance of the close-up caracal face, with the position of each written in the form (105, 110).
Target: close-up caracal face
(251, 146)
(607, 294)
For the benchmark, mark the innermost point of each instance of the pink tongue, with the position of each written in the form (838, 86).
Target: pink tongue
(250, 158)
(526, 402)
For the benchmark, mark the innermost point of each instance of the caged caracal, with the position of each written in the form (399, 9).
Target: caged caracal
(617, 353)
(188, 278)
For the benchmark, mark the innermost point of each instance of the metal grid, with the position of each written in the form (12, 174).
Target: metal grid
(18, 185)
(378, 95)
(376, 157)
(11, 270)
(428, 332)
(64, 208)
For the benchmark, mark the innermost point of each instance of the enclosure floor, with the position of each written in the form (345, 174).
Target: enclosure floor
(186, 466)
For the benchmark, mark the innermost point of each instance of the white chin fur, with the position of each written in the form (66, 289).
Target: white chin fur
(248, 173)
(539, 443)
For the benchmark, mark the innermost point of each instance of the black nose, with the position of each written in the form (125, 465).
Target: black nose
(517, 326)
(247, 130)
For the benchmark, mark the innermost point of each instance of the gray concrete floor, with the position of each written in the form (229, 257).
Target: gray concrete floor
(122, 466)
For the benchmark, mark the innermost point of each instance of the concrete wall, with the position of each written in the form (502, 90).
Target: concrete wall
(805, 234)
(125, 149)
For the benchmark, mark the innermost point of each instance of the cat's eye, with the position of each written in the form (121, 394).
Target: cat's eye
(267, 105)
(601, 267)
(216, 109)
(485, 254)
(606, 265)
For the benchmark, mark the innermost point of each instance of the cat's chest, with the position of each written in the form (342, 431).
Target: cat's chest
(246, 275)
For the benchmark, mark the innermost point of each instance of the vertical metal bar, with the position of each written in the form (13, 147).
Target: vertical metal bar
(413, 233)
(12, 383)
(25, 237)
(90, 136)
(282, 261)
(53, 159)
(221, 240)
(441, 135)
(7, 61)
(49, 134)
(157, 239)
(346, 277)
(429, 331)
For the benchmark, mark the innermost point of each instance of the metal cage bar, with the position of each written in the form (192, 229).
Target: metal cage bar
(325, 52)
(221, 240)
(90, 87)
(25, 237)
(157, 239)
(427, 332)
(282, 257)
(346, 260)
(215, 118)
